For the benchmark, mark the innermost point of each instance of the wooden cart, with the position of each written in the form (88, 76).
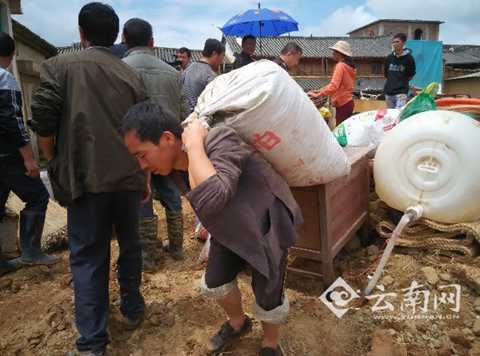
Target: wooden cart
(333, 213)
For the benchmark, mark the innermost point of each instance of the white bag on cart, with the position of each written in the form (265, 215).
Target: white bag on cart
(269, 110)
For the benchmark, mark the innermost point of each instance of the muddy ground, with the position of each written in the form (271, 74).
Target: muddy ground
(36, 309)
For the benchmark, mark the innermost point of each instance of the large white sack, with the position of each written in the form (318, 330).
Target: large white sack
(270, 111)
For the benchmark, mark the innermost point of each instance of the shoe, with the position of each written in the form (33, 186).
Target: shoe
(226, 335)
(6, 267)
(132, 323)
(31, 229)
(175, 253)
(268, 351)
(86, 353)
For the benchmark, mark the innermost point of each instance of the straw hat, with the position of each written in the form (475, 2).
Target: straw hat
(343, 47)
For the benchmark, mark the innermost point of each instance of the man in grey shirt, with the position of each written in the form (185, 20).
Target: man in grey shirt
(199, 74)
(163, 86)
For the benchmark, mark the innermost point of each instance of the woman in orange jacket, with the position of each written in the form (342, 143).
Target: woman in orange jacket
(340, 88)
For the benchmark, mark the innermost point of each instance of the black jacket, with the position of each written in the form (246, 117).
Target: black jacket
(242, 60)
(13, 134)
(399, 71)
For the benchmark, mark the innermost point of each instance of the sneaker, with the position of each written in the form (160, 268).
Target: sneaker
(268, 351)
(225, 336)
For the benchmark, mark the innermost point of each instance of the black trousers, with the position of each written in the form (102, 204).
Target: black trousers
(223, 266)
(30, 190)
(90, 222)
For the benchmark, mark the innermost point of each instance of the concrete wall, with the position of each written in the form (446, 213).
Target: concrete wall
(430, 31)
(470, 86)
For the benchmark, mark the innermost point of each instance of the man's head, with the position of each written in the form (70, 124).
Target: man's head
(184, 55)
(398, 42)
(214, 52)
(153, 136)
(291, 54)
(7, 49)
(98, 25)
(248, 45)
(137, 33)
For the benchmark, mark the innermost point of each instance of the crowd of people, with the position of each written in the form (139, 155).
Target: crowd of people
(108, 121)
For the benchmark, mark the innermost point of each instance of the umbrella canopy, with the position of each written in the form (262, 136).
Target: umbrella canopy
(260, 22)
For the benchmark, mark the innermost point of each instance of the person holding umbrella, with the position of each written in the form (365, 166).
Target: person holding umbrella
(245, 56)
(340, 88)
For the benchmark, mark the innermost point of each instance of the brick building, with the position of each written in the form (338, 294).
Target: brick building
(414, 29)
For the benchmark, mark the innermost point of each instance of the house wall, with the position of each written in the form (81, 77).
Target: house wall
(369, 31)
(430, 31)
(28, 60)
(470, 86)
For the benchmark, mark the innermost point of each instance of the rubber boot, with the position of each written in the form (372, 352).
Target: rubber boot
(31, 229)
(148, 230)
(5, 266)
(175, 234)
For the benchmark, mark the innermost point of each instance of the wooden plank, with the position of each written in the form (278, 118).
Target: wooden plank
(314, 255)
(343, 239)
(309, 231)
(368, 105)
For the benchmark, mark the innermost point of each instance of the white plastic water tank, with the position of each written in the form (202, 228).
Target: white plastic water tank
(432, 159)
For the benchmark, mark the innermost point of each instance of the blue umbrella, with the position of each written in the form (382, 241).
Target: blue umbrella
(260, 22)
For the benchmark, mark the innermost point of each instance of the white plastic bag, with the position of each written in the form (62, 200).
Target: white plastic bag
(366, 128)
(46, 182)
(269, 110)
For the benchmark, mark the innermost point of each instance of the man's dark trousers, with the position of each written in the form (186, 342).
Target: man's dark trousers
(30, 190)
(90, 221)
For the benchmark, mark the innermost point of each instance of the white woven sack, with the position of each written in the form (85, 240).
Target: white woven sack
(270, 111)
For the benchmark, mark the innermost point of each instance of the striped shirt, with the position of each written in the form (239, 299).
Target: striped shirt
(195, 78)
(13, 134)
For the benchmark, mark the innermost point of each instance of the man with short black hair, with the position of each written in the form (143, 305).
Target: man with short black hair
(248, 49)
(18, 167)
(77, 114)
(399, 70)
(199, 74)
(164, 87)
(289, 56)
(184, 55)
(241, 200)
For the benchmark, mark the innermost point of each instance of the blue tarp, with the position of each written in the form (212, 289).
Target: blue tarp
(428, 60)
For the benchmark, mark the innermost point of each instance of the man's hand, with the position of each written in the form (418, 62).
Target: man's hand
(29, 161)
(194, 134)
(32, 168)
(314, 94)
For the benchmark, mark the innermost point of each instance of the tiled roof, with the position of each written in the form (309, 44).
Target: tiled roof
(361, 83)
(318, 47)
(461, 54)
(473, 75)
(164, 53)
(453, 58)
(396, 20)
(168, 54)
